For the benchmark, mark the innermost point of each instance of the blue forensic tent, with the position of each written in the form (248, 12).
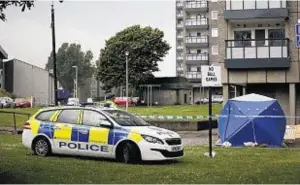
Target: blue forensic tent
(252, 118)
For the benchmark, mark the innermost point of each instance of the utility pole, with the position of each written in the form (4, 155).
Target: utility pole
(127, 53)
(54, 53)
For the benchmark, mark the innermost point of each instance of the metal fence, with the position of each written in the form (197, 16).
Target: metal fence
(9, 119)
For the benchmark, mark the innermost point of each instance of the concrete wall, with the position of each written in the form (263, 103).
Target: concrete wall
(96, 90)
(169, 97)
(84, 91)
(298, 104)
(164, 97)
(29, 80)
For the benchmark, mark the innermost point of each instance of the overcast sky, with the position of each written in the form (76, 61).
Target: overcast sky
(27, 35)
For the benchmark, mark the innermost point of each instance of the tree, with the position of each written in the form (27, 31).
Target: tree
(69, 55)
(146, 48)
(4, 4)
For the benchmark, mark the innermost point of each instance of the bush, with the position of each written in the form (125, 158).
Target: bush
(4, 93)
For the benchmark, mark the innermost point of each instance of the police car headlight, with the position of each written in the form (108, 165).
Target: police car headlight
(151, 139)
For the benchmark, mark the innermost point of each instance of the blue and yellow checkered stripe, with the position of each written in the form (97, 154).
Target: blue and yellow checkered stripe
(79, 133)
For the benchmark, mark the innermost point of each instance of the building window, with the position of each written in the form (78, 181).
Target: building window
(214, 0)
(214, 32)
(243, 38)
(198, 69)
(188, 68)
(215, 50)
(214, 15)
(276, 37)
(193, 69)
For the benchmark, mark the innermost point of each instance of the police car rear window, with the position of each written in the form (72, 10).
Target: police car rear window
(68, 116)
(45, 116)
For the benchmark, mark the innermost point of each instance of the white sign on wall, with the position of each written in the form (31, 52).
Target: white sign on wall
(211, 76)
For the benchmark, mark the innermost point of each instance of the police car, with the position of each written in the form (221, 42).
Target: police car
(104, 132)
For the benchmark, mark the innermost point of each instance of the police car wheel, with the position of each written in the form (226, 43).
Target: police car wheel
(129, 153)
(42, 147)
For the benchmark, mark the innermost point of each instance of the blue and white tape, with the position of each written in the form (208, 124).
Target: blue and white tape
(201, 117)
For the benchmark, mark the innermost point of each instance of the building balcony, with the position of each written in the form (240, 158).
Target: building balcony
(197, 59)
(179, 69)
(257, 54)
(179, 47)
(179, 4)
(179, 58)
(196, 23)
(193, 76)
(179, 14)
(179, 25)
(196, 6)
(180, 36)
(201, 41)
(255, 9)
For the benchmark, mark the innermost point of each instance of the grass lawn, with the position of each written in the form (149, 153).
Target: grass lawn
(186, 110)
(251, 165)
(179, 110)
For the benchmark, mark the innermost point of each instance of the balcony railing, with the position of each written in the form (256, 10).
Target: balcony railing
(180, 47)
(196, 4)
(197, 56)
(193, 75)
(254, 49)
(193, 39)
(254, 4)
(180, 25)
(179, 14)
(180, 36)
(196, 22)
(179, 4)
(179, 58)
(179, 68)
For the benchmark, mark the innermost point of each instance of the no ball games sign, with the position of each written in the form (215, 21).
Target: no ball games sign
(211, 76)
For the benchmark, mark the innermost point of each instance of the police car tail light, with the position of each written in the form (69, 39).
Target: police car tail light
(151, 139)
(26, 125)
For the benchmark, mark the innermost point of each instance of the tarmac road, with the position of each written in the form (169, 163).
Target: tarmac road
(197, 138)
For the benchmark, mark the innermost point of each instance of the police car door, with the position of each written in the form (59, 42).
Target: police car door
(65, 137)
(98, 134)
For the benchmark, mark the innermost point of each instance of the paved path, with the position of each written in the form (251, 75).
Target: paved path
(194, 138)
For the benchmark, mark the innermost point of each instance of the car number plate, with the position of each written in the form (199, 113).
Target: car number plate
(175, 148)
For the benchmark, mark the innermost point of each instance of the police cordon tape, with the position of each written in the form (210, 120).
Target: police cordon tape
(158, 117)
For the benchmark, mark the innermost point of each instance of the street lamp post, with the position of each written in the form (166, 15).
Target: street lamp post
(126, 53)
(76, 81)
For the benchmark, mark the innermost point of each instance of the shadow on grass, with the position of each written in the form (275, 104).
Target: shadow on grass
(8, 178)
(100, 159)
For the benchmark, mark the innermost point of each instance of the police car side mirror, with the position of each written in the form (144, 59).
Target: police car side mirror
(106, 124)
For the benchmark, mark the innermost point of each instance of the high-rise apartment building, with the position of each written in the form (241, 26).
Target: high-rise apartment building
(196, 41)
(258, 51)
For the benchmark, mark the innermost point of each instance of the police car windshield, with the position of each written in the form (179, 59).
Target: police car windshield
(126, 119)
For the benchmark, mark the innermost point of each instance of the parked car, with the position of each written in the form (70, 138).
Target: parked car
(122, 100)
(73, 102)
(22, 103)
(7, 102)
(214, 99)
